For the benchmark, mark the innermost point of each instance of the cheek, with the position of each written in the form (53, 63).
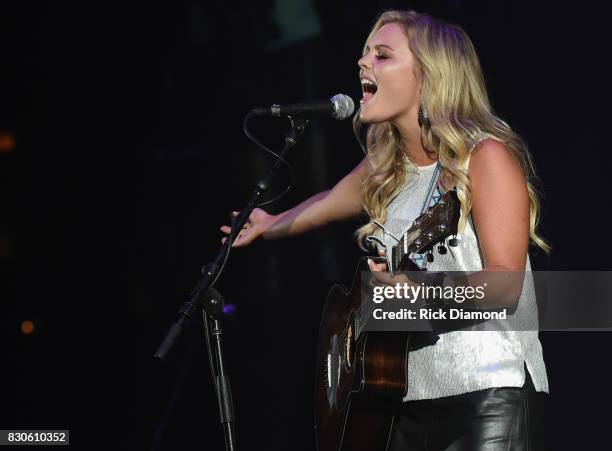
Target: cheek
(400, 87)
(399, 81)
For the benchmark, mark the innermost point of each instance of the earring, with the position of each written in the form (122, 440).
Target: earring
(390, 134)
(423, 117)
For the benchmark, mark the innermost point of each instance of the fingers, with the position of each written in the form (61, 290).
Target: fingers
(233, 215)
(241, 240)
(376, 266)
(227, 229)
(246, 235)
(380, 277)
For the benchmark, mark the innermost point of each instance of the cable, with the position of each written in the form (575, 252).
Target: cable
(274, 154)
(234, 231)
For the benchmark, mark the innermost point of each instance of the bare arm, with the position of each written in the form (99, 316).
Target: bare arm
(341, 202)
(500, 207)
(500, 212)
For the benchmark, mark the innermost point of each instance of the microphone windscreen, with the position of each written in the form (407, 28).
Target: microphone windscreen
(343, 106)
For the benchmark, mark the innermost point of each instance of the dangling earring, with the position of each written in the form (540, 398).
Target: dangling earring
(390, 134)
(423, 117)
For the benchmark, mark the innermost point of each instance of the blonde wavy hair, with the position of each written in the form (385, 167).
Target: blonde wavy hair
(454, 96)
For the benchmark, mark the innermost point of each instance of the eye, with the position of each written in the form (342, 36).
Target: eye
(381, 56)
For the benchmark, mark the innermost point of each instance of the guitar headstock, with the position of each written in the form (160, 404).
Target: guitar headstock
(434, 226)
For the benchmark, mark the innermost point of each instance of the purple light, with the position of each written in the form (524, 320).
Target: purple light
(229, 309)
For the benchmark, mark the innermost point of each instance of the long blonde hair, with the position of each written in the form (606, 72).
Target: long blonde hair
(454, 96)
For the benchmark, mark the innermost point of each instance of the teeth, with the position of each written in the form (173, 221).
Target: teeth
(365, 81)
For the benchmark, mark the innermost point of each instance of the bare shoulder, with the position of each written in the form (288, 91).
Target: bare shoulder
(500, 205)
(492, 160)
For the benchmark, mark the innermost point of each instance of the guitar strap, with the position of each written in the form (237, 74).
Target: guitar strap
(432, 187)
(433, 184)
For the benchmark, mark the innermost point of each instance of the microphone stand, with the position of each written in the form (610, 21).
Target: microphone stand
(205, 297)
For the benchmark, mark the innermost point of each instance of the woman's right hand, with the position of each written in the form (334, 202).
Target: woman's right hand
(256, 225)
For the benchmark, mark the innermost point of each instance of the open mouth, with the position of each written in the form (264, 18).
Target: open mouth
(368, 88)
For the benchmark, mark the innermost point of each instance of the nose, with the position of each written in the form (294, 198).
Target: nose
(364, 62)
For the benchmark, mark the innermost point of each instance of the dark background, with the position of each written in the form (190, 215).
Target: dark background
(129, 154)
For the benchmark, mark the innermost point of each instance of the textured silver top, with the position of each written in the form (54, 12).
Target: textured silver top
(465, 361)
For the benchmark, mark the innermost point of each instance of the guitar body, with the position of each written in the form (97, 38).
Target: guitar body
(361, 376)
(358, 379)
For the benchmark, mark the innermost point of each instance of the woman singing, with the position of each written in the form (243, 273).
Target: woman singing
(432, 129)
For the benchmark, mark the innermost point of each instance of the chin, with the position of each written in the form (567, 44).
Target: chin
(368, 118)
(364, 119)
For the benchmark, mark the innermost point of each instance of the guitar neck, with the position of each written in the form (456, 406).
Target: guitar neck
(433, 226)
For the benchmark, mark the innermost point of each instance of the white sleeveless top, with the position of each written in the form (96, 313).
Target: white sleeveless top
(465, 361)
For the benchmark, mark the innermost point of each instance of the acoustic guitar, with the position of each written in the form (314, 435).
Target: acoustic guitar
(361, 376)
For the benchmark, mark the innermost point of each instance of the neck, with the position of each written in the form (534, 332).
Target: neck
(410, 131)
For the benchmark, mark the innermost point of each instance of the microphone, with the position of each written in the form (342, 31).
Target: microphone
(339, 107)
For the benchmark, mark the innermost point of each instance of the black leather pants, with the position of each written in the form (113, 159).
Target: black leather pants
(494, 419)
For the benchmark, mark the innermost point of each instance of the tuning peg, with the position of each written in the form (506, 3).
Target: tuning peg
(430, 256)
(441, 249)
(454, 242)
